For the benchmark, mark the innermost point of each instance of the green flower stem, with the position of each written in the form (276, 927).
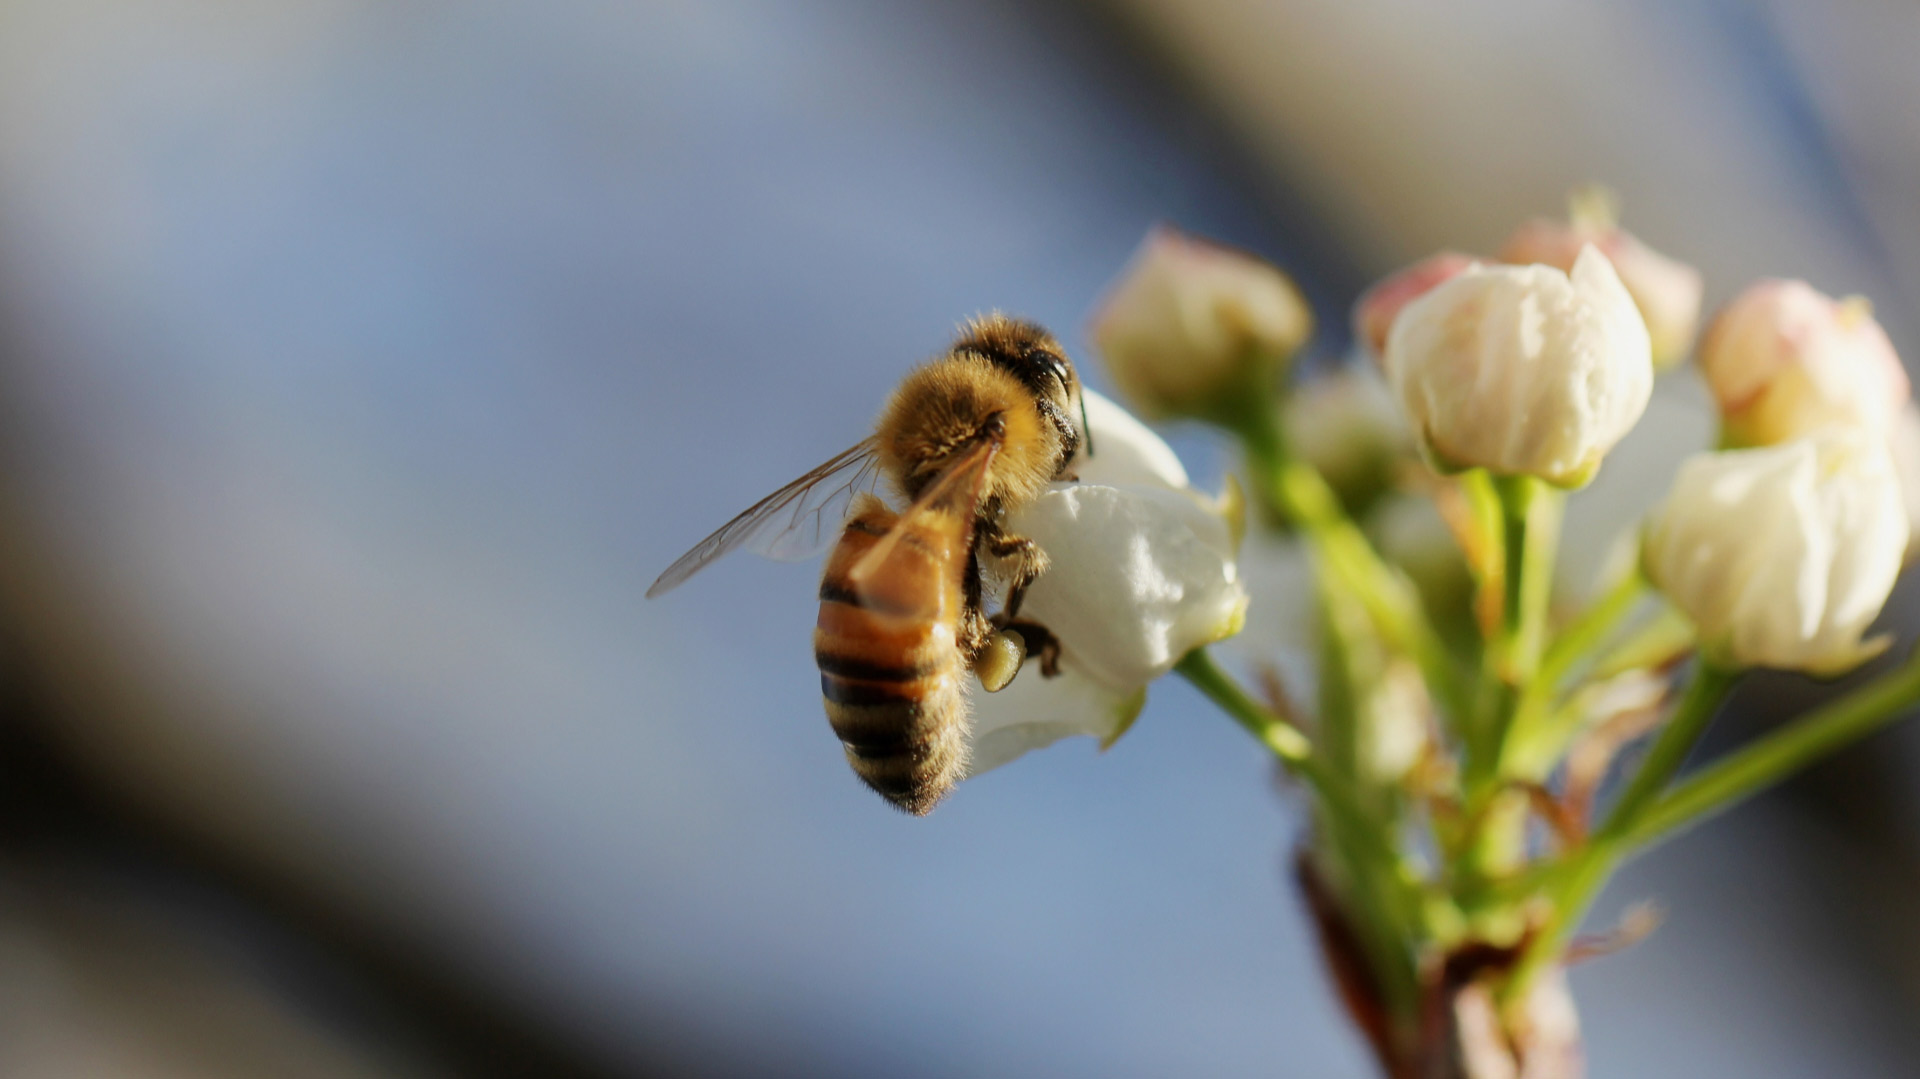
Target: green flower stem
(1538, 731)
(1296, 490)
(1670, 748)
(1384, 892)
(1588, 872)
(1283, 738)
(1664, 640)
(1493, 572)
(1773, 757)
(1534, 510)
(1585, 633)
(1343, 624)
(1529, 513)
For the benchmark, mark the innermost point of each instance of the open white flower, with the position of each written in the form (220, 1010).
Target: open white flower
(1523, 370)
(1191, 323)
(1143, 572)
(1784, 359)
(1783, 556)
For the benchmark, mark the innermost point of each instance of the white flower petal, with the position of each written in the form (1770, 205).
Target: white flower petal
(1126, 451)
(1034, 712)
(1140, 576)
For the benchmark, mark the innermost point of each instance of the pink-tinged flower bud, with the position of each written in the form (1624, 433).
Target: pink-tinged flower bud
(1783, 555)
(1784, 360)
(1373, 315)
(1191, 326)
(1666, 291)
(1523, 370)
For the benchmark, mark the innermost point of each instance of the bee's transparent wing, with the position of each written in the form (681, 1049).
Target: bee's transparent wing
(947, 509)
(798, 521)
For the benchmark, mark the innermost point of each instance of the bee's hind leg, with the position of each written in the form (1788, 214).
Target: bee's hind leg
(1026, 560)
(1013, 639)
(1035, 640)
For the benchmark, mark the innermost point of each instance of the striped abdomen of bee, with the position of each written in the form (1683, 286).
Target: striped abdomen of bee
(892, 653)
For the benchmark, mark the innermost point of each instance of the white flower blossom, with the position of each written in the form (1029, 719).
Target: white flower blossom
(1190, 323)
(1523, 370)
(1143, 571)
(1784, 360)
(1783, 556)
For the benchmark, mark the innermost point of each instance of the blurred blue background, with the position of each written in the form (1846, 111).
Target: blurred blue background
(360, 364)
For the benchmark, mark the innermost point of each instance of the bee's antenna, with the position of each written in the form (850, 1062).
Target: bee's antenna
(1086, 429)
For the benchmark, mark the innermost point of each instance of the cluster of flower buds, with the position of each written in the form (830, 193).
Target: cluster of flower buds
(1441, 688)
(1781, 558)
(1781, 546)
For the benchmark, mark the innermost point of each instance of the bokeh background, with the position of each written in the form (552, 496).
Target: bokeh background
(360, 364)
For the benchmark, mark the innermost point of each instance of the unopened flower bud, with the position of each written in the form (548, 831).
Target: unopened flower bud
(1523, 370)
(1666, 291)
(1373, 315)
(1784, 360)
(1346, 424)
(1783, 555)
(1191, 325)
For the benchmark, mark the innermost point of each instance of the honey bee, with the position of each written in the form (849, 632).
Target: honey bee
(969, 437)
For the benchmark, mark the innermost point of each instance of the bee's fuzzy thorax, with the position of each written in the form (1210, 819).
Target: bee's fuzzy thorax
(940, 408)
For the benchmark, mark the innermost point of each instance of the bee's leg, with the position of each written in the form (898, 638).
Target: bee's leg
(994, 654)
(975, 626)
(1028, 562)
(999, 661)
(1037, 640)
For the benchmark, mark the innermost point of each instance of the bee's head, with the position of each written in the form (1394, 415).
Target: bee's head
(1029, 353)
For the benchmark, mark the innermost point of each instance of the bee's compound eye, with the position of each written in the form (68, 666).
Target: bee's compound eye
(1057, 367)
